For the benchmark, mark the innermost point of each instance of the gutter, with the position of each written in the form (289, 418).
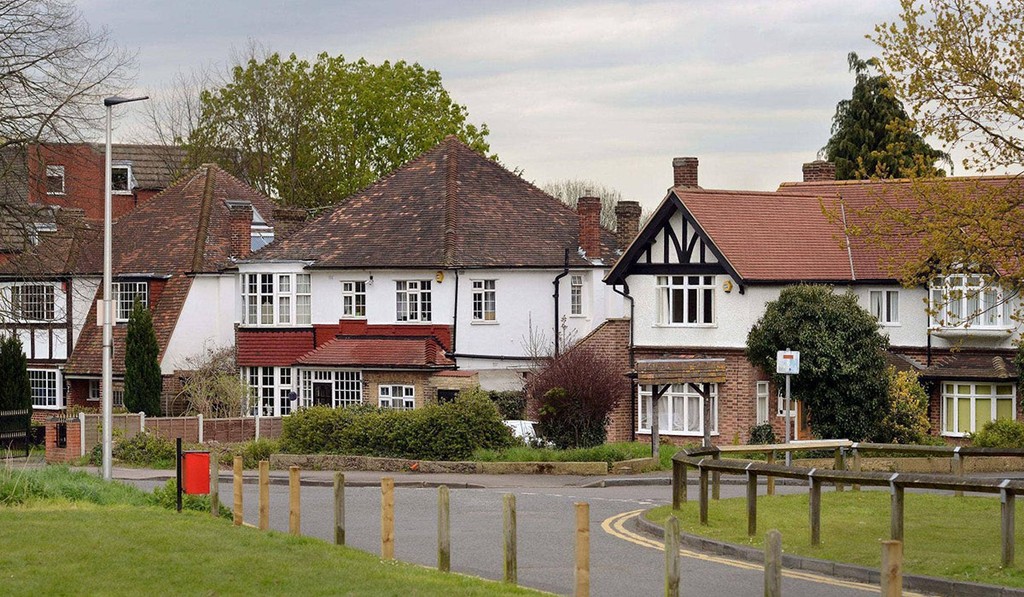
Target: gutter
(558, 278)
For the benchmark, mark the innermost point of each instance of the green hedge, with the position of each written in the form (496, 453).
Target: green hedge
(447, 432)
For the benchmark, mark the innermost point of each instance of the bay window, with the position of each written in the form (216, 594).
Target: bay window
(680, 410)
(270, 389)
(966, 407)
(967, 301)
(276, 299)
(686, 300)
(336, 388)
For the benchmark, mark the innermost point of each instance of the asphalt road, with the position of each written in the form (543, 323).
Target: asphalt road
(623, 561)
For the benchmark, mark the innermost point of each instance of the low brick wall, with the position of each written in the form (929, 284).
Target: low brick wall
(70, 452)
(341, 462)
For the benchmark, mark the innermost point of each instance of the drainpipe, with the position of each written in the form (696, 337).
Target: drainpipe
(632, 358)
(455, 315)
(558, 278)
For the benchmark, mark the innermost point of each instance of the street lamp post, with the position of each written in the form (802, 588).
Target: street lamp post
(108, 314)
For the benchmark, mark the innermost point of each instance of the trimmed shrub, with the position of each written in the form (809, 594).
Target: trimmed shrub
(511, 404)
(906, 418)
(1001, 433)
(144, 449)
(762, 434)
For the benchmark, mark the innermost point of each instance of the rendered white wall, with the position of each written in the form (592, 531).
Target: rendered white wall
(206, 321)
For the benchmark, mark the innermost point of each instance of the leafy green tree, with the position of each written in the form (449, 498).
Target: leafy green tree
(311, 134)
(872, 135)
(842, 379)
(142, 381)
(15, 389)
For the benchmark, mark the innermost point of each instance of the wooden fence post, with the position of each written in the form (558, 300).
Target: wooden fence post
(1007, 505)
(771, 479)
(773, 564)
(678, 484)
(839, 465)
(339, 508)
(295, 501)
(214, 483)
(263, 495)
(751, 504)
(582, 549)
(892, 569)
(856, 466)
(703, 496)
(237, 514)
(896, 515)
(815, 509)
(672, 557)
(716, 480)
(387, 518)
(509, 520)
(444, 530)
(958, 468)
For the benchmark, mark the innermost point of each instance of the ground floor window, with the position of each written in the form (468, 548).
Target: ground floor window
(966, 407)
(330, 387)
(761, 398)
(397, 397)
(271, 390)
(45, 384)
(680, 410)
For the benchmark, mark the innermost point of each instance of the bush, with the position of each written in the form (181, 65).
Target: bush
(1001, 433)
(906, 417)
(511, 404)
(144, 449)
(143, 382)
(435, 432)
(252, 452)
(762, 434)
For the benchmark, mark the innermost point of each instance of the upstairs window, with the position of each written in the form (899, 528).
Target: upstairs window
(55, 180)
(261, 234)
(397, 397)
(353, 299)
(125, 295)
(967, 301)
(885, 306)
(412, 298)
(576, 294)
(121, 180)
(276, 299)
(484, 300)
(33, 302)
(686, 300)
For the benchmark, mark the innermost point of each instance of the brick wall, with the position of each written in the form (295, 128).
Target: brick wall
(425, 393)
(72, 451)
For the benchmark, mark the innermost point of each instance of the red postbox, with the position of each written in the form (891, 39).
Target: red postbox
(196, 473)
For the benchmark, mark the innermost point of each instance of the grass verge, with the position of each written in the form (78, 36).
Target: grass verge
(943, 535)
(604, 453)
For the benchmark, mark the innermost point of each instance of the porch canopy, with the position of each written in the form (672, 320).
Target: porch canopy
(661, 373)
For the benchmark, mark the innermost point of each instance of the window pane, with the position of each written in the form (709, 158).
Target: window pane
(964, 413)
(950, 409)
(284, 310)
(691, 305)
(708, 318)
(678, 410)
(1004, 408)
(302, 284)
(982, 412)
(893, 307)
(677, 304)
(875, 302)
(302, 309)
(693, 414)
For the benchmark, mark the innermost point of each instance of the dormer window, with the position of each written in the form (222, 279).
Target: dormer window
(55, 180)
(121, 180)
(967, 301)
(260, 233)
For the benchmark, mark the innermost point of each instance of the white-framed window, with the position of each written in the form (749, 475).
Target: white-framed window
(117, 397)
(397, 397)
(46, 388)
(885, 306)
(780, 404)
(680, 410)
(967, 406)
(353, 299)
(121, 179)
(761, 398)
(484, 300)
(343, 387)
(33, 302)
(260, 236)
(270, 389)
(412, 298)
(55, 180)
(125, 295)
(967, 301)
(276, 299)
(686, 300)
(94, 390)
(576, 295)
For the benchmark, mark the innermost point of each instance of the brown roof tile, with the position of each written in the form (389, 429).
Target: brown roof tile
(370, 351)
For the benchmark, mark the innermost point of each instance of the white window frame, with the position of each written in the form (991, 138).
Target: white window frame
(485, 301)
(688, 289)
(268, 390)
(396, 396)
(131, 290)
(46, 301)
(576, 295)
(277, 299)
(347, 386)
(966, 301)
(972, 397)
(780, 404)
(128, 179)
(47, 389)
(413, 301)
(761, 395)
(95, 390)
(55, 171)
(667, 401)
(353, 299)
(884, 306)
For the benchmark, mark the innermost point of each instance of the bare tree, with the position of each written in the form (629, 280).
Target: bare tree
(569, 191)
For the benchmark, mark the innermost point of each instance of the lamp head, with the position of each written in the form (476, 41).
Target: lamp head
(117, 99)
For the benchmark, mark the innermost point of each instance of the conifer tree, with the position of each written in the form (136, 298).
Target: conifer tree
(142, 381)
(15, 389)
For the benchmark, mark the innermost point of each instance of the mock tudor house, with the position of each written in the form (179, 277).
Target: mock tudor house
(448, 273)
(703, 268)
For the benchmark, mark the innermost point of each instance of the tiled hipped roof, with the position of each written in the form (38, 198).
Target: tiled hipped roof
(371, 351)
(450, 207)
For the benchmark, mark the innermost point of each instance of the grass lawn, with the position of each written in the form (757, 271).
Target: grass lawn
(943, 535)
(85, 549)
(604, 453)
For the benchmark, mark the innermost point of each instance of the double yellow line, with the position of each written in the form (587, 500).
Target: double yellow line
(616, 527)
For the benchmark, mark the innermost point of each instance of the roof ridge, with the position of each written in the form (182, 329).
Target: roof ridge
(451, 190)
(199, 249)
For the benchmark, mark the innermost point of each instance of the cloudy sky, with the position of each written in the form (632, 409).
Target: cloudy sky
(608, 91)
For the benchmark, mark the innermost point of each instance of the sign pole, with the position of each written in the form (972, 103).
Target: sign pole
(787, 362)
(789, 423)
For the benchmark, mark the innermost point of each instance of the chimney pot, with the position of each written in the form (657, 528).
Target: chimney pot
(589, 211)
(627, 222)
(819, 170)
(684, 172)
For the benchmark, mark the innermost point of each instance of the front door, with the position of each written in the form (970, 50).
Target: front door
(803, 427)
(322, 393)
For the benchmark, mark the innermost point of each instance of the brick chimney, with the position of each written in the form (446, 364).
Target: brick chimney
(684, 172)
(287, 220)
(589, 211)
(819, 170)
(240, 227)
(627, 222)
